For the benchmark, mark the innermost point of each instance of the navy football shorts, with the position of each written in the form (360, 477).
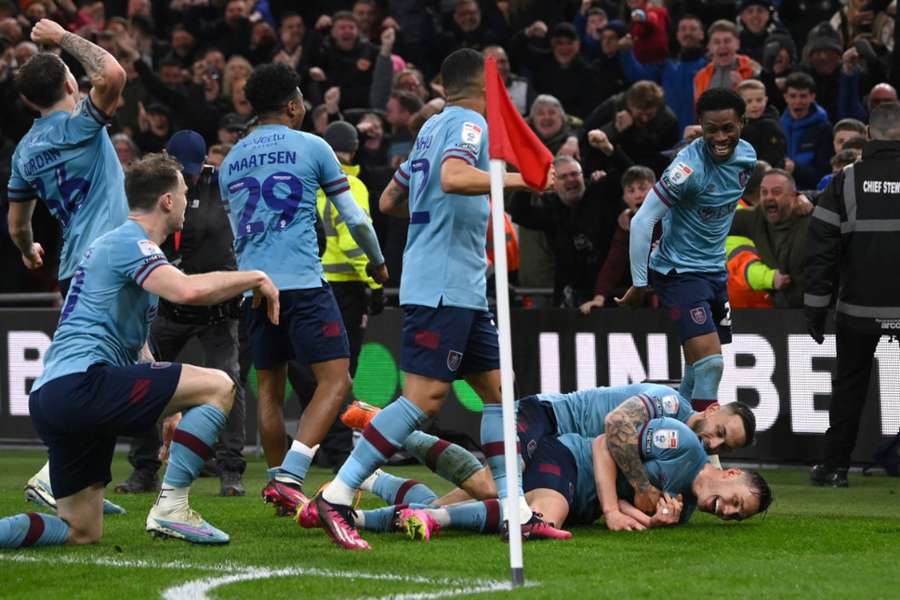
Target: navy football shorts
(697, 302)
(535, 420)
(552, 467)
(310, 330)
(80, 415)
(448, 342)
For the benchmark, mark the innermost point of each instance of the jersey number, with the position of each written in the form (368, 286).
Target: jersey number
(287, 205)
(72, 193)
(420, 165)
(74, 292)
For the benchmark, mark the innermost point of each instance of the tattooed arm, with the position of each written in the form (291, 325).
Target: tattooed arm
(106, 75)
(394, 200)
(623, 426)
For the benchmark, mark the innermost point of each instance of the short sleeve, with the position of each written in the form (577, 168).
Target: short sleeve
(18, 189)
(137, 258)
(466, 138)
(86, 120)
(666, 439)
(332, 179)
(401, 175)
(676, 180)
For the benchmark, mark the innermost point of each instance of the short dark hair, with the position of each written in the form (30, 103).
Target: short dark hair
(168, 61)
(564, 30)
(461, 69)
(760, 488)
(42, 79)
(149, 178)
(748, 419)
(271, 86)
(637, 173)
(800, 81)
(855, 143)
(720, 99)
(850, 124)
(884, 122)
(645, 94)
(344, 15)
(843, 158)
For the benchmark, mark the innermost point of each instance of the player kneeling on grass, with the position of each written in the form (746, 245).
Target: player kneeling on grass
(92, 388)
(570, 478)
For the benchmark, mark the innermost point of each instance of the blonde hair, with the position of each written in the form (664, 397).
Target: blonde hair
(228, 79)
(751, 84)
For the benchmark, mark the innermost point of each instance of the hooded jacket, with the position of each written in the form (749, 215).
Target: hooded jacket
(808, 145)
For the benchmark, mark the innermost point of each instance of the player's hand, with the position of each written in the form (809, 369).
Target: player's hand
(168, 432)
(619, 521)
(623, 121)
(646, 500)
(268, 292)
(633, 298)
(781, 280)
(47, 32)
(815, 323)
(35, 259)
(599, 140)
(668, 511)
(378, 272)
(630, 511)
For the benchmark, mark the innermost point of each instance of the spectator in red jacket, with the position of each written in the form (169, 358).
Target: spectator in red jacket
(650, 31)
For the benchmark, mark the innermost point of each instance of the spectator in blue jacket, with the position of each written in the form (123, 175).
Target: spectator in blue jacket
(676, 75)
(808, 132)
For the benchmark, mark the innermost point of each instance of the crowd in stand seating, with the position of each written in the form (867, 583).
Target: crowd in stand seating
(608, 86)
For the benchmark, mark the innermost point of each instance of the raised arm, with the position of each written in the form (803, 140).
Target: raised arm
(623, 427)
(106, 74)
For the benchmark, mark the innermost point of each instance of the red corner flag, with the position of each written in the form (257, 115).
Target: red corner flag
(511, 139)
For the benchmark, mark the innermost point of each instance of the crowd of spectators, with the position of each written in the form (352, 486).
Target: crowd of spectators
(608, 86)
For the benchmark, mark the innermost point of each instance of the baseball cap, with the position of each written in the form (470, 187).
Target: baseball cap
(767, 4)
(342, 137)
(233, 122)
(189, 148)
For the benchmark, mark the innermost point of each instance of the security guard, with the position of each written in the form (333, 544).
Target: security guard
(205, 244)
(344, 264)
(852, 262)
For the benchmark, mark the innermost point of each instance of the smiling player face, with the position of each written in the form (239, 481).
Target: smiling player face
(720, 431)
(728, 496)
(721, 132)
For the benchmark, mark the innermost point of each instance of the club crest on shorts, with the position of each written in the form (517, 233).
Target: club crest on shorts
(698, 315)
(665, 439)
(454, 359)
(670, 405)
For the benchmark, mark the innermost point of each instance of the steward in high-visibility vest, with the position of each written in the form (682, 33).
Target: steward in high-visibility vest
(344, 265)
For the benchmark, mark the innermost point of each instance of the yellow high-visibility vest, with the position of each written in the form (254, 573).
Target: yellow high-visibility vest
(344, 260)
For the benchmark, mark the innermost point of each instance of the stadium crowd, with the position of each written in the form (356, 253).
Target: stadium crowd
(608, 86)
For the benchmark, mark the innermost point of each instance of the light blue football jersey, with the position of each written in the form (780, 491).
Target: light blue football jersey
(673, 455)
(68, 161)
(444, 261)
(702, 195)
(584, 411)
(106, 316)
(269, 181)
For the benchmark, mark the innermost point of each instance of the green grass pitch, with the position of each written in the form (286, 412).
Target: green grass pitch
(814, 543)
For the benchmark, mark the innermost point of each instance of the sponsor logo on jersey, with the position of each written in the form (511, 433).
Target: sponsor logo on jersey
(670, 404)
(665, 439)
(148, 248)
(471, 134)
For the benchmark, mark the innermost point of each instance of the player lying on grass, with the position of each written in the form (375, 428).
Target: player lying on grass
(93, 389)
(620, 411)
(570, 478)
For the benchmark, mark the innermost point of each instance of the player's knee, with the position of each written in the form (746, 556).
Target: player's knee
(224, 391)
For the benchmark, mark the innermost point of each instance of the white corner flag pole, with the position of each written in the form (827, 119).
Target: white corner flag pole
(511, 457)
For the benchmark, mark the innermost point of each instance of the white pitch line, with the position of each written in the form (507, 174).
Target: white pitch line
(197, 589)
